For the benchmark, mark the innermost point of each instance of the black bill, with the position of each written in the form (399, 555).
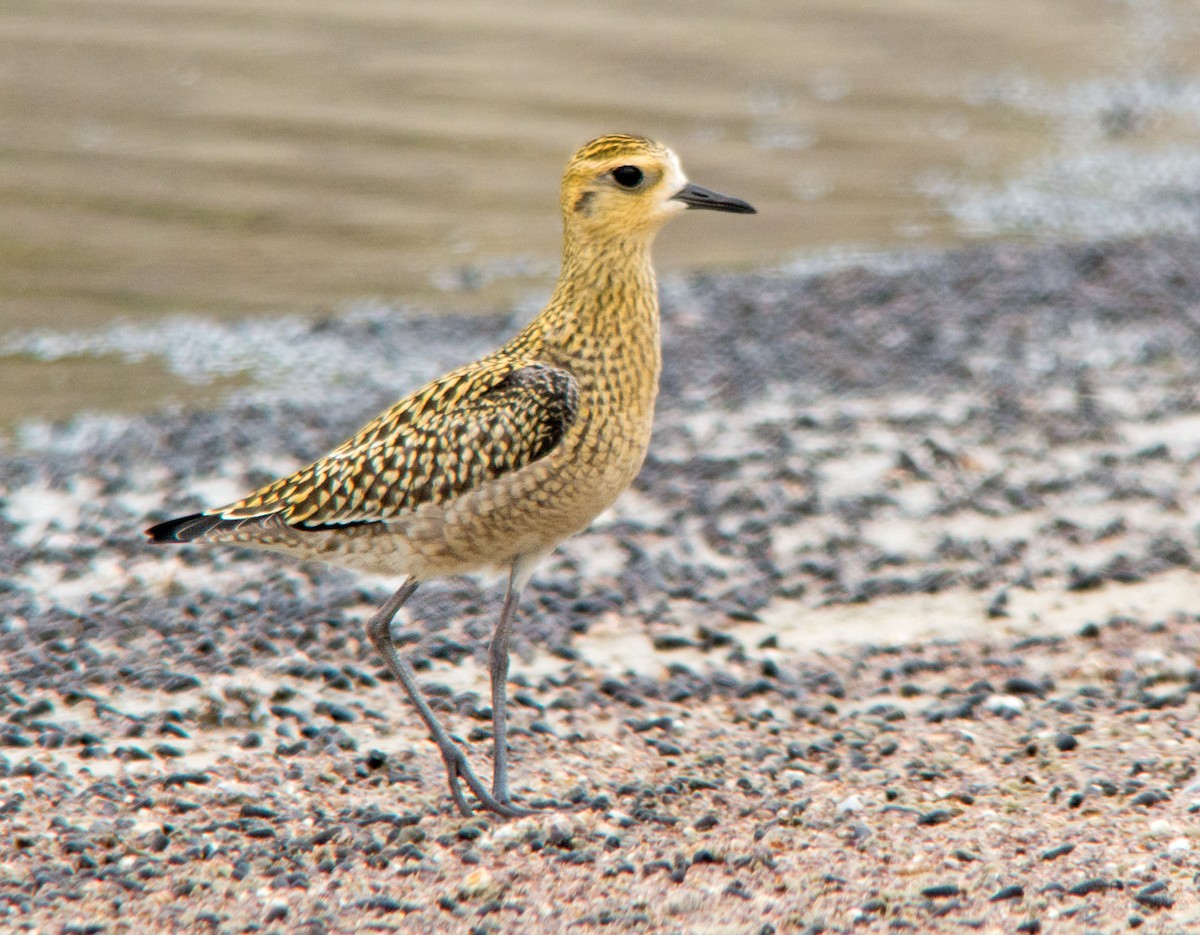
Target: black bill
(696, 197)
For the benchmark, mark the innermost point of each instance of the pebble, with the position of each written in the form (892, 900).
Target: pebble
(851, 803)
(1010, 705)
(1065, 742)
(1089, 886)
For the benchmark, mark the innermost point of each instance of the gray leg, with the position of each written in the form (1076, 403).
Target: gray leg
(380, 634)
(498, 666)
(522, 569)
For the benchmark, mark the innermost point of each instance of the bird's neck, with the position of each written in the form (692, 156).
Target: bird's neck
(606, 295)
(602, 324)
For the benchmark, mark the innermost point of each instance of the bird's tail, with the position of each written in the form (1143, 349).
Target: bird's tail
(190, 528)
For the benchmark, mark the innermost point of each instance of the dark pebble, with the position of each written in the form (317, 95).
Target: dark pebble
(1055, 852)
(1065, 742)
(340, 714)
(376, 759)
(941, 891)
(251, 741)
(1155, 896)
(166, 751)
(387, 904)
(276, 913)
(706, 822)
(185, 779)
(641, 725)
(181, 683)
(936, 817)
(1087, 887)
(670, 641)
(1015, 891)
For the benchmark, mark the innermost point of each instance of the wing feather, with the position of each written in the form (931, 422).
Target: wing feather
(472, 426)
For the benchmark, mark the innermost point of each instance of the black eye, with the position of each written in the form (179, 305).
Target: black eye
(628, 176)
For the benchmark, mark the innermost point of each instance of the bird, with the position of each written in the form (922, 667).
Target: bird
(492, 465)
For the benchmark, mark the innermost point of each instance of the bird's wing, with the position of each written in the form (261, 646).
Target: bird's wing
(463, 430)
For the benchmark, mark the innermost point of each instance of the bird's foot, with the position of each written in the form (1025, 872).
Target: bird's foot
(458, 768)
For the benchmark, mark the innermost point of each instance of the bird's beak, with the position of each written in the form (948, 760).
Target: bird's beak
(696, 197)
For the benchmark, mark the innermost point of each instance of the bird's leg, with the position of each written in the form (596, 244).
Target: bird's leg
(522, 569)
(498, 666)
(380, 633)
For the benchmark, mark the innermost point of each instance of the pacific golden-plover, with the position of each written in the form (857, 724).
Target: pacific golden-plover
(494, 464)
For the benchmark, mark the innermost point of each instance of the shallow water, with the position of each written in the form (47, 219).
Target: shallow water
(229, 160)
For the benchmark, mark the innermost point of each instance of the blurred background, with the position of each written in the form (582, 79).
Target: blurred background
(226, 161)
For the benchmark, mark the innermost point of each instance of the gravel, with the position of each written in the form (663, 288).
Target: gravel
(896, 630)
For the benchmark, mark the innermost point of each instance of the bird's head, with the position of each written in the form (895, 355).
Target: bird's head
(619, 185)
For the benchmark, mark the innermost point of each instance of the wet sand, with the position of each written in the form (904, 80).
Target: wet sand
(199, 158)
(898, 630)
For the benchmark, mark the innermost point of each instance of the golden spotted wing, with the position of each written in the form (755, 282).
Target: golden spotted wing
(471, 426)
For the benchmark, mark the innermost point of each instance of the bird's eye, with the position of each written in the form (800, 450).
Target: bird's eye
(628, 176)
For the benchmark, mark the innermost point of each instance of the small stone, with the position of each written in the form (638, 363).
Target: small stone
(1055, 852)
(1087, 887)
(1021, 686)
(477, 882)
(1004, 705)
(851, 803)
